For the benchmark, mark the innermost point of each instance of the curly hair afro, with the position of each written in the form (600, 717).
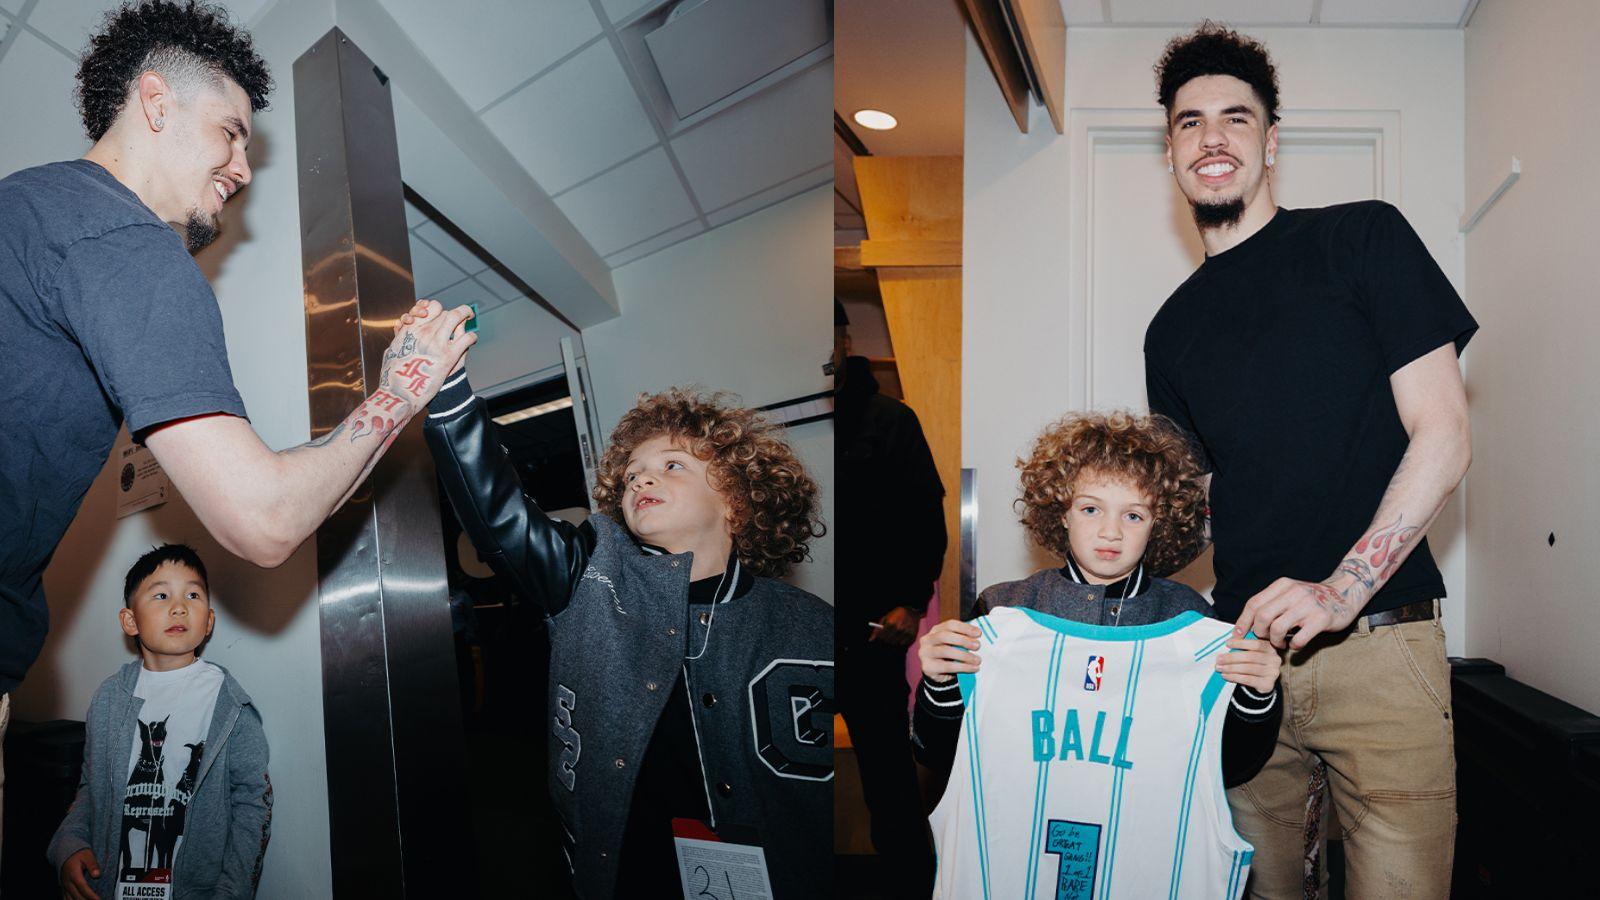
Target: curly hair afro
(172, 38)
(772, 499)
(1214, 49)
(1148, 451)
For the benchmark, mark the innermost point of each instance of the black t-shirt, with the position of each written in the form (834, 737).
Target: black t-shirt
(104, 316)
(1276, 355)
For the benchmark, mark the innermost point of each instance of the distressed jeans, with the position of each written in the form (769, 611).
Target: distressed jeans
(1372, 705)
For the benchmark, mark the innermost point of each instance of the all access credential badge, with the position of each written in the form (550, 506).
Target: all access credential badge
(145, 884)
(1093, 673)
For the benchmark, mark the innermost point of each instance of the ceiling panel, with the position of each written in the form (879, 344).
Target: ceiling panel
(487, 47)
(906, 58)
(11, 5)
(1234, 12)
(1084, 12)
(770, 138)
(68, 22)
(628, 204)
(414, 216)
(1394, 12)
(775, 194)
(574, 121)
(466, 292)
(431, 271)
(617, 10)
(453, 250)
(659, 242)
(52, 121)
(497, 285)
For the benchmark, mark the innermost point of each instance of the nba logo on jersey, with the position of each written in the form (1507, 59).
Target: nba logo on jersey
(1092, 674)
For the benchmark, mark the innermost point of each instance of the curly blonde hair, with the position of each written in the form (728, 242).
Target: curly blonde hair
(772, 500)
(1148, 451)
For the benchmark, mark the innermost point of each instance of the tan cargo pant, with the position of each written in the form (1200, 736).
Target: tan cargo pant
(1374, 705)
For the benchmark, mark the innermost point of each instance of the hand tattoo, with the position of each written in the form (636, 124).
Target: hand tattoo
(1329, 598)
(414, 370)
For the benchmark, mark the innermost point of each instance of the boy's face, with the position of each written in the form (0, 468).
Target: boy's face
(1108, 526)
(170, 612)
(669, 500)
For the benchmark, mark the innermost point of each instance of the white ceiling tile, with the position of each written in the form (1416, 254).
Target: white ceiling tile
(1233, 12)
(1084, 12)
(659, 242)
(11, 6)
(431, 271)
(414, 216)
(487, 47)
(468, 292)
(617, 10)
(766, 198)
(628, 204)
(1393, 12)
(454, 250)
(69, 22)
(497, 285)
(575, 121)
(767, 139)
(53, 130)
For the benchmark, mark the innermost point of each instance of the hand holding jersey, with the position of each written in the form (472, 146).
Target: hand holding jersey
(1124, 795)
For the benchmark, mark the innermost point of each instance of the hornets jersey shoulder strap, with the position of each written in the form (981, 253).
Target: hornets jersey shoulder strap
(1090, 765)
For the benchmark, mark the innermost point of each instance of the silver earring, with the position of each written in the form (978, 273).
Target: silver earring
(1269, 159)
(1170, 170)
(160, 123)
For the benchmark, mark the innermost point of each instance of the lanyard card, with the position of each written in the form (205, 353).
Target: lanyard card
(713, 869)
(145, 884)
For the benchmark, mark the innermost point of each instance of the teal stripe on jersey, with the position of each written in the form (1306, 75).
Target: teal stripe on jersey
(1114, 816)
(1212, 647)
(1233, 878)
(1183, 810)
(977, 793)
(1052, 684)
(987, 627)
(1213, 689)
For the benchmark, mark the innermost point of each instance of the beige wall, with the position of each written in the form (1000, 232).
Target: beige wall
(1534, 380)
(1019, 368)
(745, 308)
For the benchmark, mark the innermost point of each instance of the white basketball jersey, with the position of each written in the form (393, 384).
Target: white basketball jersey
(1090, 765)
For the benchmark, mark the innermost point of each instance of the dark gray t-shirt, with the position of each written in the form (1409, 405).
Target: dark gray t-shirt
(104, 316)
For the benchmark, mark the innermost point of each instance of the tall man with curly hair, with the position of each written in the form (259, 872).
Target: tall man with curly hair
(105, 319)
(690, 689)
(1312, 358)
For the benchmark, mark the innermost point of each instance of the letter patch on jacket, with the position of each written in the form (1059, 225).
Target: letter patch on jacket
(566, 702)
(791, 705)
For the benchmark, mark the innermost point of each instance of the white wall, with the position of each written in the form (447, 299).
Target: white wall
(267, 624)
(1019, 206)
(745, 308)
(1530, 73)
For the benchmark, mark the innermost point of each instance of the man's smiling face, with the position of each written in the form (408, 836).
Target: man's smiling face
(209, 135)
(1218, 142)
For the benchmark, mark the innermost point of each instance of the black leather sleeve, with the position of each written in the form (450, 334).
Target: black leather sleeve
(542, 557)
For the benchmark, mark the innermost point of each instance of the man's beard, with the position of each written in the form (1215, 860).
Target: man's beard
(1225, 214)
(199, 231)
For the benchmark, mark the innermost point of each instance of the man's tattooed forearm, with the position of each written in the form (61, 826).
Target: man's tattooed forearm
(327, 439)
(1388, 547)
(379, 414)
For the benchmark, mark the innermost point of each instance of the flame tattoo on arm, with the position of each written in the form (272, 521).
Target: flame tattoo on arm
(1388, 546)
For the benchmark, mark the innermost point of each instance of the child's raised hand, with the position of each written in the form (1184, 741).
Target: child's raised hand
(1253, 663)
(947, 649)
(73, 883)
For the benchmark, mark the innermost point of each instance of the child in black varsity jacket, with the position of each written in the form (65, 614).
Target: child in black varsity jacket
(1120, 500)
(691, 692)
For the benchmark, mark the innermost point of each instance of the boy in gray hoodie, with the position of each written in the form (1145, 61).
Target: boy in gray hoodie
(174, 802)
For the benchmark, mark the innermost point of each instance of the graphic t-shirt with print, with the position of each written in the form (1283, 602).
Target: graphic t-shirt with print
(163, 768)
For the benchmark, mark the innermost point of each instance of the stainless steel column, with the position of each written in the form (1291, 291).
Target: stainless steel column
(398, 820)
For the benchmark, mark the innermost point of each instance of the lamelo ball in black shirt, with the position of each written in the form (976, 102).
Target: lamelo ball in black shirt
(1276, 355)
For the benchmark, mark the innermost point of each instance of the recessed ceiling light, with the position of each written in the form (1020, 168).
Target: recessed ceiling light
(877, 120)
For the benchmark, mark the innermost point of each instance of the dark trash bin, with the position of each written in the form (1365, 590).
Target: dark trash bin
(43, 761)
